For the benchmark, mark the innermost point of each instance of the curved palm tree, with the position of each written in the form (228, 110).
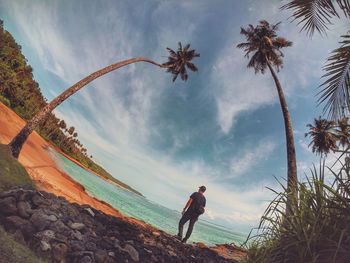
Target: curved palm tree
(323, 136)
(263, 48)
(316, 15)
(176, 65)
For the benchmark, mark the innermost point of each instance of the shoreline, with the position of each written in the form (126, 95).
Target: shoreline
(44, 171)
(47, 176)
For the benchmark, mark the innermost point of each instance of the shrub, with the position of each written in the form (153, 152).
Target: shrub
(318, 228)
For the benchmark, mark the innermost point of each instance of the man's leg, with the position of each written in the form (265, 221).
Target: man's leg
(183, 221)
(190, 228)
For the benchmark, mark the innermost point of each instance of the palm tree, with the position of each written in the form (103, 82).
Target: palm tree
(323, 136)
(177, 63)
(263, 48)
(343, 132)
(316, 15)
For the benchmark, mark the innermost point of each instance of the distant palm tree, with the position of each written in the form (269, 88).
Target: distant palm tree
(343, 130)
(323, 136)
(263, 48)
(177, 63)
(316, 15)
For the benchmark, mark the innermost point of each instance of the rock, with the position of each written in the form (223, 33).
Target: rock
(76, 245)
(59, 227)
(91, 246)
(39, 201)
(85, 259)
(45, 235)
(40, 220)
(14, 223)
(77, 226)
(132, 252)
(8, 206)
(130, 242)
(45, 246)
(61, 238)
(24, 209)
(59, 252)
(147, 250)
(89, 211)
(156, 234)
(101, 256)
(52, 218)
(76, 235)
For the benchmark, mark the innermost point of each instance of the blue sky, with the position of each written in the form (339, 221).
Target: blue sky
(223, 128)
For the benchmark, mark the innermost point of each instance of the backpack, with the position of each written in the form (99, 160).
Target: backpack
(200, 210)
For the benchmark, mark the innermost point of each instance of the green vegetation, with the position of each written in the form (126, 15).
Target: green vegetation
(20, 92)
(12, 172)
(12, 251)
(316, 15)
(318, 228)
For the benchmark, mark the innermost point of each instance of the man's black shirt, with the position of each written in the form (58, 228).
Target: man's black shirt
(198, 200)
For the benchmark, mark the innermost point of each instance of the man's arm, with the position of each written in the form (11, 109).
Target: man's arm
(189, 202)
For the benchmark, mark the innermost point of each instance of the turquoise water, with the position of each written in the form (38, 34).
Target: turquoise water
(139, 207)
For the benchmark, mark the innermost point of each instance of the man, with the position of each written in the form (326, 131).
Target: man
(193, 209)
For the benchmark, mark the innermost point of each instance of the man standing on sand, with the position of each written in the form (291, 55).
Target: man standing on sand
(193, 209)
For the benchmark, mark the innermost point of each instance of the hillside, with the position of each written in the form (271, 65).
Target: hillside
(20, 92)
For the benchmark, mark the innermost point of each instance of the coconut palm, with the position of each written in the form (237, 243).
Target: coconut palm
(323, 136)
(263, 49)
(316, 15)
(343, 130)
(176, 64)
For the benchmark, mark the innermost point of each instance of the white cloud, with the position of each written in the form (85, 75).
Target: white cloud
(247, 160)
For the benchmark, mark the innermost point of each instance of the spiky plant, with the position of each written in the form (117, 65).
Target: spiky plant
(319, 229)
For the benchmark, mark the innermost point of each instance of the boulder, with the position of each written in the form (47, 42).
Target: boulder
(44, 245)
(59, 252)
(77, 226)
(8, 206)
(24, 209)
(132, 252)
(14, 223)
(101, 256)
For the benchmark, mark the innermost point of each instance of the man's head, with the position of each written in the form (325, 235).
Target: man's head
(202, 189)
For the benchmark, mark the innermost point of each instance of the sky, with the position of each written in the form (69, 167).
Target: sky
(223, 128)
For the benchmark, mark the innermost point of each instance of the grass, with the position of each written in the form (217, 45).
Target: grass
(318, 228)
(12, 173)
(12, 251)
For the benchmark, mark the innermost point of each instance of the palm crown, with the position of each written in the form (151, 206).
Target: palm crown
(179, 61)
(323, 136)
(265, 45)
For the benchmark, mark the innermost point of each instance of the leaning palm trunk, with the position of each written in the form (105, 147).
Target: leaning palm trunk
(291, 156)
(17, 142)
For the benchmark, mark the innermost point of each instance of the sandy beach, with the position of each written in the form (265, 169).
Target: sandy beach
(42, 169)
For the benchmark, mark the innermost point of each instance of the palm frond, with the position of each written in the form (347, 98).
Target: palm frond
(314, 14)
(336, 89)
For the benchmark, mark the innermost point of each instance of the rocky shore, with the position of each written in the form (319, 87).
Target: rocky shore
(60, 231)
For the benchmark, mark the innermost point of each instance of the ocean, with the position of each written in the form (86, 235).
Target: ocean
(139, 207)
